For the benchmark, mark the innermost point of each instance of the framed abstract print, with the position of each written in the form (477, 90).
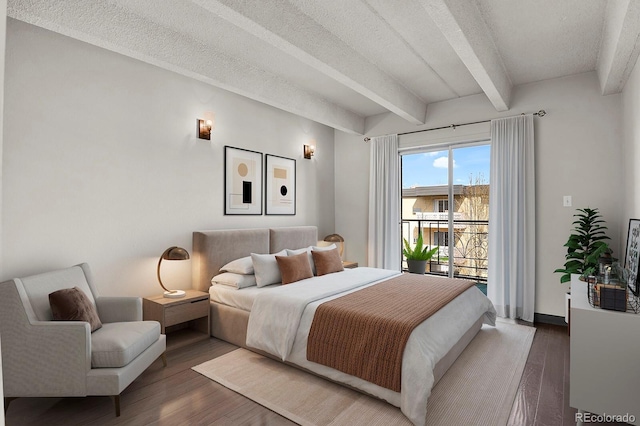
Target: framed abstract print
(632, 256)
(242, 181)
(280, 187)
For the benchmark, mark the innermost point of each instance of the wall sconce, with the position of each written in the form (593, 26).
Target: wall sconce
(309, 150)
(172, 253)
(204, 129)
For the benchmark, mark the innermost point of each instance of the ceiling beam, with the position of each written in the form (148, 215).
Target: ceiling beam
(115, 29)
(619, 48)
(285, 27)
(462, 24)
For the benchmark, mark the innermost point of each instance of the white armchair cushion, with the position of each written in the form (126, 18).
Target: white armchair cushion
(117, 344)
(38, 287)
(119, 309)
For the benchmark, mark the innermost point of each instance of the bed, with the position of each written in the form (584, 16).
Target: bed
(241, 314)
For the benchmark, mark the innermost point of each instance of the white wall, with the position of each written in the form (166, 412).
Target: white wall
(102, 165)
(631, 149)
(578, 153)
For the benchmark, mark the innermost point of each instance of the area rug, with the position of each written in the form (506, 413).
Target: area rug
(479, 389)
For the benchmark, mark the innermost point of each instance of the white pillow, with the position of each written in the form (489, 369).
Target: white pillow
(243, 266)
(234, 280)
(324, 248)
(266, 268)
(308, 250)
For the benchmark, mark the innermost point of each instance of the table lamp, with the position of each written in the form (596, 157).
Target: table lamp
(172, 253)
(336, 238)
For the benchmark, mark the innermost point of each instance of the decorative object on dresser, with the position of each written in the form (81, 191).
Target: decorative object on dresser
(609, 291)
(184, 320)
(280, 188)
(172, 253)
(46, 358)
(242, 181)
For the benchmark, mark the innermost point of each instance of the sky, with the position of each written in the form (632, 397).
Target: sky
(430, 168)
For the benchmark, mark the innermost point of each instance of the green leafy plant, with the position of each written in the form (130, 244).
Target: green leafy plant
(585, 245)
(420, 251)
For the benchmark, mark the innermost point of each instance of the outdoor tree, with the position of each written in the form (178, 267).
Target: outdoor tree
(471, 241)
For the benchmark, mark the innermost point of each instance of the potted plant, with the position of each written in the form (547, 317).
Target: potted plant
(418, 257)
(585, 245)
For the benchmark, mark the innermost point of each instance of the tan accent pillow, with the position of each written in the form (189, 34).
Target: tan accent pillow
(71, 304)
(294, 268)
(327, 261)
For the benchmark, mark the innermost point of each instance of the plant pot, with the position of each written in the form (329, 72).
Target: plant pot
(439, 268)
(417, 266)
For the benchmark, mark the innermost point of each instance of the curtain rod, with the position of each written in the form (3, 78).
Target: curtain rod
(540, 113)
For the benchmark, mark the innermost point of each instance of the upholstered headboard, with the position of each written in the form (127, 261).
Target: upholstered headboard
(214, 249)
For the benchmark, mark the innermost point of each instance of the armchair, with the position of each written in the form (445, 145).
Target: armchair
(46, 358)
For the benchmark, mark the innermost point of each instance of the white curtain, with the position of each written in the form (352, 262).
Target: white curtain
(511, 275)
(384, 204)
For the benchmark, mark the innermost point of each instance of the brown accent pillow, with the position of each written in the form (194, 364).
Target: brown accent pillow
(327, 261)
(294, 268)
(72, 304)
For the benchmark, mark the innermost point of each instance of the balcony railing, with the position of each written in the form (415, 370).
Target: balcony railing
(439, 216)
(469, 248)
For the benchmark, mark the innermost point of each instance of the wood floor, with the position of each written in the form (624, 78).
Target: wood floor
(176, 395)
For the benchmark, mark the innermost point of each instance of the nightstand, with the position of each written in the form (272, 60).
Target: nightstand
(184, 320)
(349, 265)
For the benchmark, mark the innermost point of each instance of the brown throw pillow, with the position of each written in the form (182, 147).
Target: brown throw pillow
(294, 268)
(327, 261)
(72, 304)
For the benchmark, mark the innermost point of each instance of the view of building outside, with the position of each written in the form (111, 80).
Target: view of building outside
(425, 207)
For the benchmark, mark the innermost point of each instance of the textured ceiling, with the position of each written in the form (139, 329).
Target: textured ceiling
(337, 62)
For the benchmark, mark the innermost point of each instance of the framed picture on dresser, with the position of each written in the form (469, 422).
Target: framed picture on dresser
(242, 181)
(632, 256)
(280, 186)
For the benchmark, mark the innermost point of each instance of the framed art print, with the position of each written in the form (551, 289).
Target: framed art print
(280, 186)
(632, 255)
(242, 181)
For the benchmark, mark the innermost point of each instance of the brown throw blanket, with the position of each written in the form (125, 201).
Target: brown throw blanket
(364, 333)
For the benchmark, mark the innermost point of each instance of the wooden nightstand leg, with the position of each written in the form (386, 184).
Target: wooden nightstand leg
(164, 358)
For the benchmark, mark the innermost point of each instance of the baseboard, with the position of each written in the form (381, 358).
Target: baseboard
(549, 319)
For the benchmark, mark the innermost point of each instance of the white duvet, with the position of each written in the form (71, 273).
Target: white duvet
(280, 320)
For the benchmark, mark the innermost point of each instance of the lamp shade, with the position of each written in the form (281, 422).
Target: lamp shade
(172, 253)
(336, 238)
(175, 253)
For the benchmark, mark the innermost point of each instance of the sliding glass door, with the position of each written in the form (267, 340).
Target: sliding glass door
(445, 196)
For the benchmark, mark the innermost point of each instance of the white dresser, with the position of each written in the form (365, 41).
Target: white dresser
(605, 357)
